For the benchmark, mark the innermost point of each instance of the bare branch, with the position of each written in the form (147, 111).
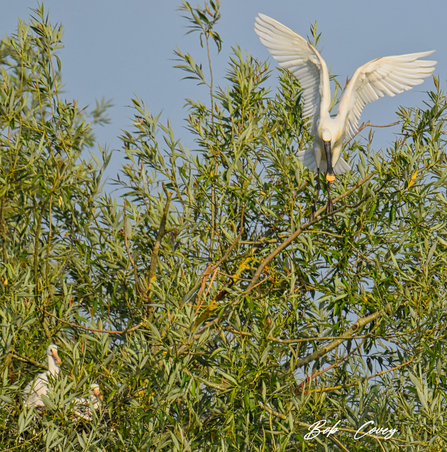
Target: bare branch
(367, 124)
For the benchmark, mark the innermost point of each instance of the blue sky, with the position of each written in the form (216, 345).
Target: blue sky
(120, 49)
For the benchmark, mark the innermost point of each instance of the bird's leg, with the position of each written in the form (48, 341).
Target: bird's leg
(314, 207)
(330, 206)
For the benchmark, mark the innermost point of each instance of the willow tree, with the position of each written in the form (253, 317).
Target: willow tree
(212, 312)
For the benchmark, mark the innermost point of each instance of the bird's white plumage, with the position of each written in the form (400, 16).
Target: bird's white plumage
(295, 54)
(307, 157)
(35, 389)
(38, 387)
(340, 167)
(83, 406)
(389, 75)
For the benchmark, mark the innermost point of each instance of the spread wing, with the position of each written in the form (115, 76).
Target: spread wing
(295, 54)
(388, 75)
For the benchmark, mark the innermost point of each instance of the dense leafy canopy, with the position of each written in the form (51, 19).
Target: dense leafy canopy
(213, 314)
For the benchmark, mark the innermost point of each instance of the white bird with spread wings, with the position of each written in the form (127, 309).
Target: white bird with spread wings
(388, 75)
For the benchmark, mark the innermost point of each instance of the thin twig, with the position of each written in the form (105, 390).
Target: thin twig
(206, 382)
(161, 233)
(3, 226)
(209, 270)
(95, 330)
(241, 226)
(295, 341)
(338, 443)
(367, 124)
(262, 241)
(211, 282)
(336, 388)
(380, 444)
(28, 360)
(36, 264)
(137, 280)
(327, 348)
(337, 363)
(206, 273)
(393, 368)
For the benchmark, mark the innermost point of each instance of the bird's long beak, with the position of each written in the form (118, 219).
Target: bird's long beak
(330, 175)
(56, 356)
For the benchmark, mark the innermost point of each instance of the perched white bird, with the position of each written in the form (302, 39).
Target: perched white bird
(38, 387)
(388, 75)
(83, 406)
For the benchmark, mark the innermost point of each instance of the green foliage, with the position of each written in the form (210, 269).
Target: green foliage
(213, 314)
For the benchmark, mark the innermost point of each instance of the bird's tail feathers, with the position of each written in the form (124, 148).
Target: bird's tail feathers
(307, 158)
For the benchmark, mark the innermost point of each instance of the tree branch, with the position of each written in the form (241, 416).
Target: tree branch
(255, 278)
(308, 223)
(95, 330)
(161, 233)
(211, 269)
(28, 360)
(206, 382)
(295, 341)
(367, 124)
(137, 280)
(326, 349)
(313, 376)
(337, 388)
(254, 281)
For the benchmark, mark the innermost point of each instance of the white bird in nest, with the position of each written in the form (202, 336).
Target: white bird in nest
(388, 75)
(83, 406)
(38, 387)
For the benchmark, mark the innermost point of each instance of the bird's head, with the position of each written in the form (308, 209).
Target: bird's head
(326, 135)
(52, 352)
(94, 388)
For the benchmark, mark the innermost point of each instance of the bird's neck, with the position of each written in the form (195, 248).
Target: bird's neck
(53, 367)
(325, 89)
(325, 117)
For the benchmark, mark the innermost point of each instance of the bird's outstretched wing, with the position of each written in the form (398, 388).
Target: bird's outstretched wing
(388, 75)
(295, 54)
